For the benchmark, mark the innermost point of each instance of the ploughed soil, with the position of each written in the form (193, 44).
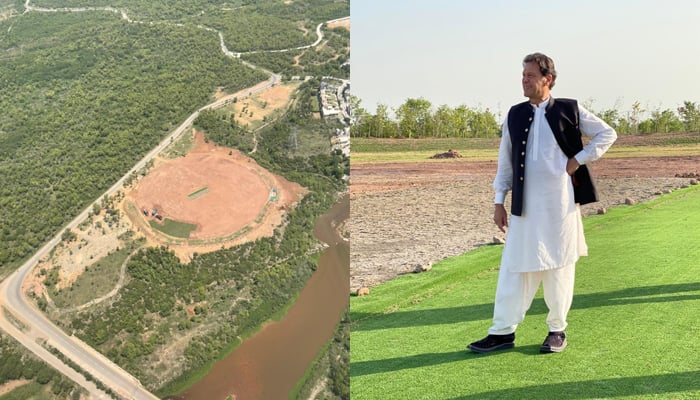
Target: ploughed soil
(414, 213)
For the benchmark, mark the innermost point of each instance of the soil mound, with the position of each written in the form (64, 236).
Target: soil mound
(449, 154)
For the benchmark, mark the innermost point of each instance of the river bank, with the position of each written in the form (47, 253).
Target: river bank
(269, 364)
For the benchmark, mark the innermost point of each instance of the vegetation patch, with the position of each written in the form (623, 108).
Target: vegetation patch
(198, 193)
(257, 110)
(179, 147)
(97, 280)
(174, 228)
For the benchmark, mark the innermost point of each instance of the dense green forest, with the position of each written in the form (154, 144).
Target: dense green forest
(331, 59)
(79, 113)
(18, 364)
(246, 25)
(417, 118)
(86, 95)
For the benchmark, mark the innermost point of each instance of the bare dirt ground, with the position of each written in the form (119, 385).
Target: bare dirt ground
(237, 198)
(408, 214)
(254, 109)
(345, 23)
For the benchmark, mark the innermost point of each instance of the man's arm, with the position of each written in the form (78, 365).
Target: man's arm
(500, 217)
(601, 134)
(503, 182)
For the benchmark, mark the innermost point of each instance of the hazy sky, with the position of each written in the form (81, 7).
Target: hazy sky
(470, 52)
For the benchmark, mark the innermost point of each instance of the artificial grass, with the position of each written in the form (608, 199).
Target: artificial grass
(633, 329)
(174, 228)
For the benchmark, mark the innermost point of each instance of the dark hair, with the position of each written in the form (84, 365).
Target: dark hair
(545, 63)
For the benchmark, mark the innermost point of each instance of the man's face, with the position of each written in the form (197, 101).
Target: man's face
(535, 85)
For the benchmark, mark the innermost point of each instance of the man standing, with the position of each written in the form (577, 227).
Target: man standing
(542, 160)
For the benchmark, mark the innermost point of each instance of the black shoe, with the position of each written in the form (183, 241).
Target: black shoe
(492, 343)
(555, 342)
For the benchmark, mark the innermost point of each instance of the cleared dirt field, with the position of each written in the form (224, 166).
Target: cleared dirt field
(405, 214)
(344, 23)
(225, 194)
(253, 110)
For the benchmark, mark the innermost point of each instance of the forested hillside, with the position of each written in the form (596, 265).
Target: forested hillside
(86, 94)
(84, 97)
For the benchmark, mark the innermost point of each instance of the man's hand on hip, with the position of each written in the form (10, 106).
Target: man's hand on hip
(500, 217)
(571, 166)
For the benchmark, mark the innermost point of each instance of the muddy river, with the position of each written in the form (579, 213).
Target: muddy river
(268, 364)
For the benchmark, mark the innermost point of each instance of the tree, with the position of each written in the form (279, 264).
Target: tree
(611, 117)
(637, 110)
(414, 117)
(380, 125)
(664, 122)
(690, 116)
(443, 122)
(462, 116)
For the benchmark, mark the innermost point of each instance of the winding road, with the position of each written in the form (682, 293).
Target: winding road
(23, 321)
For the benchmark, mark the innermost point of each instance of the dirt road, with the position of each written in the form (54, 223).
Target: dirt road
(404, 214)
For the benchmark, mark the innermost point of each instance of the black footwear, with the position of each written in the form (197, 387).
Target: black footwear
(492, 343)
(555, 342)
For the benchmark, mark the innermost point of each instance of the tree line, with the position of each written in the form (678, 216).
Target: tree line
(417, 118)
(685, 118)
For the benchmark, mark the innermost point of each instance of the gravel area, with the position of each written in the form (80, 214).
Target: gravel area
(409, 214)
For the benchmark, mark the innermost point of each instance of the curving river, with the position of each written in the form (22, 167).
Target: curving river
(269, 364)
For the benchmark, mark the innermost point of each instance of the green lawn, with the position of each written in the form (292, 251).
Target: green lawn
(633, 329)
(174, 228)
(198, 193)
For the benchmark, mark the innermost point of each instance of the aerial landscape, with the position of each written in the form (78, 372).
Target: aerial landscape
(174, 196)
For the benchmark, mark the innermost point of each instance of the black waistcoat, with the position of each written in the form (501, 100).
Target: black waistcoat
(562, 116)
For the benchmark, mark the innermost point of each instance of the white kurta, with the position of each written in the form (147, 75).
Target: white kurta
(549, 233)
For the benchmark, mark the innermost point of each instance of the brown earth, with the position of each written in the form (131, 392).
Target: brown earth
(345, 23)
(263, 104)
(235, 207)
(404, 214)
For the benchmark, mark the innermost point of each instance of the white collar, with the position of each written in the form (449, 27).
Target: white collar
(542, 105)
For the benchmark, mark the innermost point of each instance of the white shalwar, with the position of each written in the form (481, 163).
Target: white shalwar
(544, 243)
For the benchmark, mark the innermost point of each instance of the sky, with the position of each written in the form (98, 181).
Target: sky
(608, 53)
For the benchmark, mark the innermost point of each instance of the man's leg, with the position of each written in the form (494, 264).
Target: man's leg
(558, 287)
(514, 294)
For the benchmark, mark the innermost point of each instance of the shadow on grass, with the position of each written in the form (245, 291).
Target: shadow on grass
(599, 388)
(429, 359)
(477, 312)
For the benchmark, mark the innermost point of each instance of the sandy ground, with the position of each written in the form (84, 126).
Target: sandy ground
(345, 23)
(408, 214)
(254, 109)
(236, 205)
